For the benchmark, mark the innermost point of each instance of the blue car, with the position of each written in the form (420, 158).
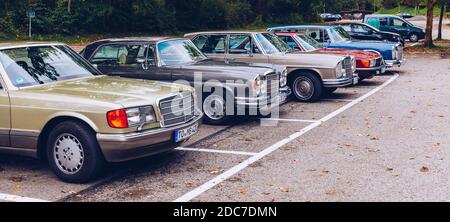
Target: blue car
(336, 37)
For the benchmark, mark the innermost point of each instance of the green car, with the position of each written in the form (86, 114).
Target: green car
(55, 105)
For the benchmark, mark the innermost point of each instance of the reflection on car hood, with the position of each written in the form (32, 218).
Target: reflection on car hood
(115, 90)
(358, 54)
(220, 69)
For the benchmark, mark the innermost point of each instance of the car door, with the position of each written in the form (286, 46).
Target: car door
(212, 45)
(5, 118)
(243, 48)
(400, 27)
(385, 24)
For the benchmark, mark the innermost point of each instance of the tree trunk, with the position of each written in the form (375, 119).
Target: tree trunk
(429, 28)
(69, 6)
(441, 18)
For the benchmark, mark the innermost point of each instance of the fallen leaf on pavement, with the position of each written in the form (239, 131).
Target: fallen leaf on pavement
(216, 171)
(285, 189)
(16, 179)
(424, 169)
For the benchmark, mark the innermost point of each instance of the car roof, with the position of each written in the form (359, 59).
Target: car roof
(381, 15)
(135, 39)
(222, 32)
(303, 26)
(9, 45)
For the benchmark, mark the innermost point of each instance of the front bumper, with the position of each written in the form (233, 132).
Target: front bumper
(124, 147)
(392, 63)
(263, 103)
(336, 83)
(368, 73)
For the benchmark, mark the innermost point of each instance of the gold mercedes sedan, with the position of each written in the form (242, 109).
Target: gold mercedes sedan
(55, 105)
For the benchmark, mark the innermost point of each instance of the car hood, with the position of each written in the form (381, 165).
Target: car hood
(358, 54)
(300, 59)
(218, 69)
(107, 91)
(356, 44)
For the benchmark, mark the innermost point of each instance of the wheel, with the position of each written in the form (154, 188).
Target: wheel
(215, 110)
(306, 87)
(328, 91)
(73, 152)
(414, 37)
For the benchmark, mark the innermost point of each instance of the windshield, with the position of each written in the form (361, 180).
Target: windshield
(271, 43)
(338, 34)
(176, 52)
(36, 65)
(308, 43)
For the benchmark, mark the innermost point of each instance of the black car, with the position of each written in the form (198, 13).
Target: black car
(405, 15)
(366, 32)
(327, 17)
(227, 88)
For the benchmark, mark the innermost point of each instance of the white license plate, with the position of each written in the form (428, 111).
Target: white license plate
(184, 134)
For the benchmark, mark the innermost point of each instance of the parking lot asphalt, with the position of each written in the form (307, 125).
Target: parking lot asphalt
(383, 140)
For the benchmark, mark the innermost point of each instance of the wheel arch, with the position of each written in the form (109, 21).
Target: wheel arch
(54, 121)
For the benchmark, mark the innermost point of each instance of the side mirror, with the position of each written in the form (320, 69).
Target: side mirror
(404, 25)
(370, 32)
(249, 52)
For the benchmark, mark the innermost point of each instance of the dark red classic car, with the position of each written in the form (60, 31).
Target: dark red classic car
(368, 63)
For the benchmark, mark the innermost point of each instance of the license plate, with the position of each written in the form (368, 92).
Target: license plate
(186, 133)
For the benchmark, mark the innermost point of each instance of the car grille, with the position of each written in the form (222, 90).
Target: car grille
(177, 109)
(347, 65)
(273, 83)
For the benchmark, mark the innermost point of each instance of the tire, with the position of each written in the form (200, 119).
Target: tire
(212, 106)
(306, 87)
(414, 37)
(328, 91)
(76, 143)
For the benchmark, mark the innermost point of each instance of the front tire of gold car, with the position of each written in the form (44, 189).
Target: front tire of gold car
(214, 108)
(306, 87)
(73, 152)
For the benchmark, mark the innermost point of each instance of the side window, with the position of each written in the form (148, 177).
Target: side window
(213, 44)
(315, 34)
(324, 37)
(290, 41)
(239, 44)
(347, 28)
(120, 55)
(375, 22)
(359, 29)
(398, 22)
(383, 21)
(106, 55)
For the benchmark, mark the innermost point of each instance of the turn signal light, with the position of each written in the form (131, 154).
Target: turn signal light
(365, 63)
(118, 119)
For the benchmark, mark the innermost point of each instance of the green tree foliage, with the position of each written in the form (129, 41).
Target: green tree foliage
(152, 16)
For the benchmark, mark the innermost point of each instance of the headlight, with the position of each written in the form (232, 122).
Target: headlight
(340, 71)
(132, 117)
(283, 78)
(256, 86)
(353, 64)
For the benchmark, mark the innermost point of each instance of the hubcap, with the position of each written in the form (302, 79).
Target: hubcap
(414, 38)
(304, 88)
(68, 154)
(214, 107)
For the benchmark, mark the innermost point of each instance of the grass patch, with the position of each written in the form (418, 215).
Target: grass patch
(404, 9)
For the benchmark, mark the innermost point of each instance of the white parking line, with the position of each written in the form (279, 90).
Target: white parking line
(236, 169)
(216, 151)
(338, 100)
(14, 198)
(290, 120)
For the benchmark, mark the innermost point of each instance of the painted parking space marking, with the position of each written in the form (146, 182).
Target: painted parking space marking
(338, 100)
(216, 151)
(14, 198)
(290, 120)
(236, 169)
